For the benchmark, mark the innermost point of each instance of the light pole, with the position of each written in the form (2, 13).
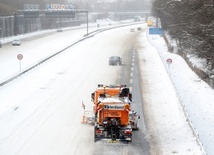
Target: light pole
(87, 21)
(86, 12)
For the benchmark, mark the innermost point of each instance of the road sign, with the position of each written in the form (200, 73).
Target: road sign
(169, 61)
(60, 6)
(19, 56)
(158, 31)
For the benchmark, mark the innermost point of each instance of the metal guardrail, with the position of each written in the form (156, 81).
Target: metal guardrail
(86, 36)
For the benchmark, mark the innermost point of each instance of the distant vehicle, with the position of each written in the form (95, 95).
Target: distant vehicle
(149, 23)
(137, 18)
(59, 30)
(132, 30)
(115, 60)
(0, 44)
(139, 28)
(16, 42)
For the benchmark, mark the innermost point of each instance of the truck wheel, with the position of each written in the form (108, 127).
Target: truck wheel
(95, 137)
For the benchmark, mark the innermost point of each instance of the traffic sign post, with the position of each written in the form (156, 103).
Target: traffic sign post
(19, 57)
(155, 31)
(169, 62)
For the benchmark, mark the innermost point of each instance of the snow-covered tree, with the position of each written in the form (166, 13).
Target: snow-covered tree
(191, 22)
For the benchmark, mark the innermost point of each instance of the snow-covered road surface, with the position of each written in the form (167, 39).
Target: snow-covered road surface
(40, 111)
(195, 96)
(171, 95)
(168, 128)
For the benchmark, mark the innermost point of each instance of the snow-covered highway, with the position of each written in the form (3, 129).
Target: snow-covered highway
(40, 111)
(43, 116)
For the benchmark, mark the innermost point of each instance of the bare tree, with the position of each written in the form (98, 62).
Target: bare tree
(191, 22)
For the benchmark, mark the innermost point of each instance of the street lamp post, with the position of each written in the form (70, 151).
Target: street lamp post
(86, 12)
(87, 21)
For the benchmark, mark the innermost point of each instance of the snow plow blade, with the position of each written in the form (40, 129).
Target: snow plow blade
(88, 117)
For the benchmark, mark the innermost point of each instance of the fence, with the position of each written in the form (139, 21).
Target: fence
(17, 24)
(6, 26)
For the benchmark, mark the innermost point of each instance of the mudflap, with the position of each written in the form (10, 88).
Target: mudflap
(114, 134)
(109, 140)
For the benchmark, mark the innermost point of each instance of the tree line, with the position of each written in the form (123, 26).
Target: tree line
(190, 23)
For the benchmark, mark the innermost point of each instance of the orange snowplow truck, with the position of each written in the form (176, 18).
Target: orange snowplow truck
(111, 109)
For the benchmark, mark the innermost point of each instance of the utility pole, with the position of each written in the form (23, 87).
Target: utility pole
(15, 23)
(86, 12)
(87, 21)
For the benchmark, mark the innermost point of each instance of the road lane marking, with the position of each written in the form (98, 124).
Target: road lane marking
(130, 88)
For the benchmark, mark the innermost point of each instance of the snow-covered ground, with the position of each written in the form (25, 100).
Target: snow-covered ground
(32, 56)
(195, 96)
(193, 106)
